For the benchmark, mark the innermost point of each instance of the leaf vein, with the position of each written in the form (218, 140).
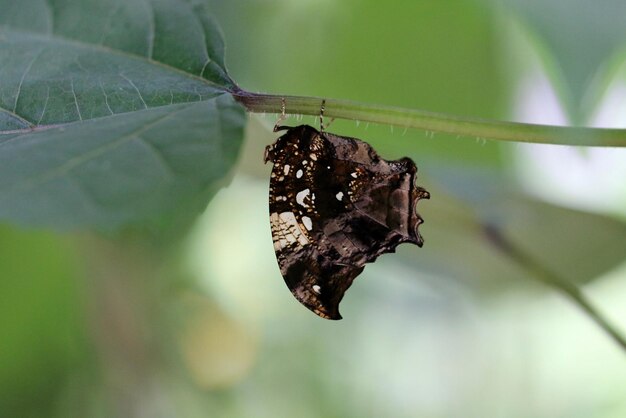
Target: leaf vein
(208, 61)
(45, 106)
(205, 43)
(26, 71)
(18, 117)
(136, 89)
(151, 29)
(77, 161)
(106, 98)
(80, 117)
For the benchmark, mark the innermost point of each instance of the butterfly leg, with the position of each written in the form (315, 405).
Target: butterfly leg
(322, 108)
(282, 116)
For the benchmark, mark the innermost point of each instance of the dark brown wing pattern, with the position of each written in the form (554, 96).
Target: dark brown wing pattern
(334, 206)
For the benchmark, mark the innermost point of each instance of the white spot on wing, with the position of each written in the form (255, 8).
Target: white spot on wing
(354, 174)
(339, 196)
(286, 170)
(299, 173)
(286, 231)
(317, 289)
(301, 196)
(308, 224)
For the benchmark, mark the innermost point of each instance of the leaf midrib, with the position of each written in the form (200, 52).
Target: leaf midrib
(67, 166)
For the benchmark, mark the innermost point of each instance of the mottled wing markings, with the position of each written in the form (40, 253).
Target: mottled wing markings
(334, 206)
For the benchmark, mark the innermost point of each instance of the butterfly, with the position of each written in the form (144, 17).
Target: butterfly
(335, 205)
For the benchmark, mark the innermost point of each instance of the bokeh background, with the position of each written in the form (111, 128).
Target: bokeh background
(102, 326)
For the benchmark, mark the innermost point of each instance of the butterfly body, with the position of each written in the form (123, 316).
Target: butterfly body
(334, 206)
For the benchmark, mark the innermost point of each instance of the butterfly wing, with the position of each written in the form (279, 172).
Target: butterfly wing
(334, 206)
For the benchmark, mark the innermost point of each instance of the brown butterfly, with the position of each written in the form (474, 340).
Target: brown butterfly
(334, 206)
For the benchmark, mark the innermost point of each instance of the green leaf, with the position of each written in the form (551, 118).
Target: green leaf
(112, 112)
(118, 170)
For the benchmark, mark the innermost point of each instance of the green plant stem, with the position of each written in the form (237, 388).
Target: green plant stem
(435, 122)
(548, 277)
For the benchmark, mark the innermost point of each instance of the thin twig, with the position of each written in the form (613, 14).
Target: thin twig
(537, 270)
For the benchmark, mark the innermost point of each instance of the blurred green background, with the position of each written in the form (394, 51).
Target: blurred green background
(102, 327)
